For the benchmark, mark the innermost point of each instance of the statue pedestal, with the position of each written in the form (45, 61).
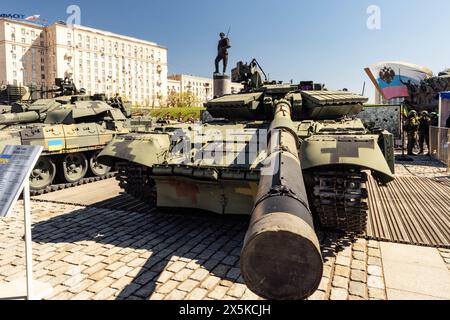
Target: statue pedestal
(222, 85)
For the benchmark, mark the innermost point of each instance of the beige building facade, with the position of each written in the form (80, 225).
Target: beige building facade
(202, 88)
(22, 53)
(98, 61)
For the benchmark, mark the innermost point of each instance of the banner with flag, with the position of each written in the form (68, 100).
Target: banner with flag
(392, 78)
(33, 18)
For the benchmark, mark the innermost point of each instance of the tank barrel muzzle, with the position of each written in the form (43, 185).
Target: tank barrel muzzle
(281, 257)
(21, 117)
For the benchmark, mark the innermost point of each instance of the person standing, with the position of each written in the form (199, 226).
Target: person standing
(424, 131)
(411, 126)
(434, 119)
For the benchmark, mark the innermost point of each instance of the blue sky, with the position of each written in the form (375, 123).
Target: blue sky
(324, 40)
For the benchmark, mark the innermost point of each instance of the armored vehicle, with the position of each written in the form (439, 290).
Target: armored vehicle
(12, 93)
(72, 128)
(293, 158)
(424, 96)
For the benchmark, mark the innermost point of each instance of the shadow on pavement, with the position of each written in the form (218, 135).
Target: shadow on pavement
(213, 242)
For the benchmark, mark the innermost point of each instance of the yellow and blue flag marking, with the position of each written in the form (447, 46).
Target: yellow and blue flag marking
(55, 145)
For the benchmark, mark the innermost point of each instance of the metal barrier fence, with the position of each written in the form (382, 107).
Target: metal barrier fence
(439, 144)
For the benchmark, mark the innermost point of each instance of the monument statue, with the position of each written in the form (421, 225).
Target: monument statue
(222, 52)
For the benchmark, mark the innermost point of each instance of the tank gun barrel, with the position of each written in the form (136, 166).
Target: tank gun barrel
(22, 117)
(281, 256)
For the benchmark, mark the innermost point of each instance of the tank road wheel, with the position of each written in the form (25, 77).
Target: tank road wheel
(43, 174)
(340, 200)
(74, 167)
(96, 168)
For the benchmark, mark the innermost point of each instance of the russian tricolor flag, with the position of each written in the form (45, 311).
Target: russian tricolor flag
(33, 18)
(391, 78)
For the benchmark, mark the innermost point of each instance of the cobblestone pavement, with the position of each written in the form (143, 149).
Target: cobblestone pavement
(98, 253)
(90, 253)
(421, 166)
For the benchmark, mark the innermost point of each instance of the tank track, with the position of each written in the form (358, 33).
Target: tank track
(340, 200)
(135, 181)
(61, 186)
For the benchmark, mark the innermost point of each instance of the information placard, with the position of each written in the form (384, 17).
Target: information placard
(16, 165)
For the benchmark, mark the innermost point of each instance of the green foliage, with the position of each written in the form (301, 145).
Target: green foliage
(185, 113)
(182, 100)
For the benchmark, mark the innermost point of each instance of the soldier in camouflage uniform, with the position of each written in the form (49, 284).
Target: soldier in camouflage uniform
(424, 130)
(434, 119)
(411, 127)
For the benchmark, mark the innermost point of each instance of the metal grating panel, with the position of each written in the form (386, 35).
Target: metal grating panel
(410, 210)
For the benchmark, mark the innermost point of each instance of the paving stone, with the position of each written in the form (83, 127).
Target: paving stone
(100, 285)
(115, 266)
(342, 271)
(340, 282)
(338, 294)
(358, 255)
(377, 294)
(188, 285)
(83, 295)
(137, 262)
(373, 244)
(156, 296)
(210, 282)
(359, 265)
(167, 287)
(199, 274)
(176, 266)
(122, 283)
(374, 252)
(145, 277)
(358, 275)
(197, 294)
(359, 247)
(176, 295)
(375, 282)
(104, 294)
(357, 289)
(99, 275)
(374, 261)
(121, 272)
(182, 275)
(318, 295)
(324, 284)
(343, 261)
(237, 290)
(375, 271)
(218, 292)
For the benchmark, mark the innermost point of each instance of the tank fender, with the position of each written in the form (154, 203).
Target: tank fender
(146, 150)
(361, 151)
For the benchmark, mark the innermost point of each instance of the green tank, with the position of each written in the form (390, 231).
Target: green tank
(294, 157)
(72, 128)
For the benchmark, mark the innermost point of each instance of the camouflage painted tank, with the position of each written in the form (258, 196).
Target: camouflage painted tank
(424, 96)
(72, 129)
(293, 157)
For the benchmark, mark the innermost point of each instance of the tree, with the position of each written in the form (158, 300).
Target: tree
(182, 99)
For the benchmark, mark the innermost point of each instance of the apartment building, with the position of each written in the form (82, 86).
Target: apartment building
(23, 52)
(98, 61)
